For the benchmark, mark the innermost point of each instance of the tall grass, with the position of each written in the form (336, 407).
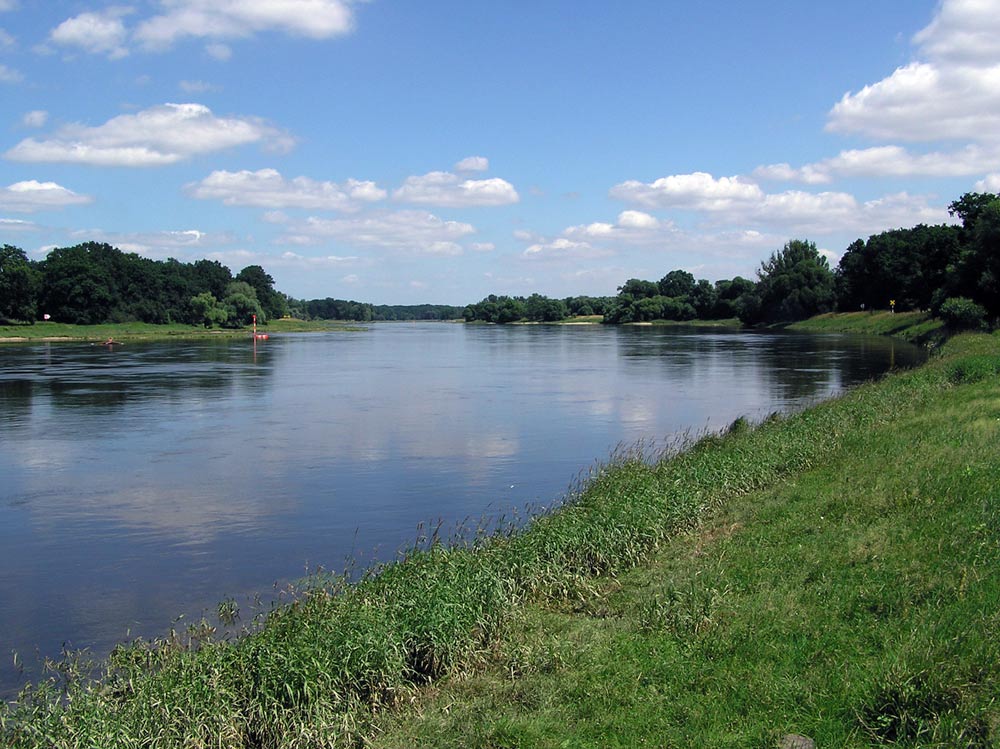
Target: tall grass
(318, 671)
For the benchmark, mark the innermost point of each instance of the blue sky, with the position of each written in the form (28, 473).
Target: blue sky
(402, 152)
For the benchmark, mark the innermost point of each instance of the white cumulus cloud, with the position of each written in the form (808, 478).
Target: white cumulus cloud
(697, 191)
(156, 136)
(889, 161)
(738, 201)
(267, 188)
(953, 93)
(31, 195)
(230, 19)
(473, 164)
(408, 231)
(447, 190)
(99, 33)
(990, 183)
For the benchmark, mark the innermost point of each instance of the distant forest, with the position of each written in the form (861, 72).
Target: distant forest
(951, 270)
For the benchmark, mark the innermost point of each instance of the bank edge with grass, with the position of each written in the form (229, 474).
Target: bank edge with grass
(318, 672)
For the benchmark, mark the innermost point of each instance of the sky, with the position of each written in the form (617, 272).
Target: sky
(403, 152)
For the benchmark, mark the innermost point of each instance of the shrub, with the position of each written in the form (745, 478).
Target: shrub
(961, 313)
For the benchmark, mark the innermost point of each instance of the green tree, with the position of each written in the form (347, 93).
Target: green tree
(636, 288)
(206, 310)
(793, 284)
(970, 206)
(703, 298)
(728, 293)
(908, 265)
(271, 301)
(18, 285)
(78, 284)
(211, 276)
(241, 305)
(984, 257)
(677, 283)
(540, 308)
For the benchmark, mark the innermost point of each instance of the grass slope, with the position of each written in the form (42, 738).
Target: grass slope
(856, 602)
(917, 327)
(831, 574)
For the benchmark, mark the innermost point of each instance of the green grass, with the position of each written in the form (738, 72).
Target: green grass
(137, 331)
(854, 601)
(918, 327)
(830, 574)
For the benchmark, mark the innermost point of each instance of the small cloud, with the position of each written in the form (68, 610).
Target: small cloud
(991, 183)
(482, 247)
(637, 220)
(35, 118)
(889, 161)
(160, 135)
(314, 19)
(832, 257)
(473, 164)
(9, 75)
(196, 87)
(6, 40)
(562, 249)
(407, 231)
(219, 51)
(267, 188)
(446, 190)
(100, 33)
(30, 196)
(15, 224)
(698, 191)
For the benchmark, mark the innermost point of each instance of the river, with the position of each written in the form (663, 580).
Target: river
(146, 481)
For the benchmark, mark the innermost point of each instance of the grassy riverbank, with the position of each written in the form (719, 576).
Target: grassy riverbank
(916, 327)
(830, 574)
(137, 331)
(841, 585)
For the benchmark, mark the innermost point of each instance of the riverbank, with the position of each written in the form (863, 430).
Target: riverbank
(137, 331)
(830, 548)
(846, 593)
(916, 327)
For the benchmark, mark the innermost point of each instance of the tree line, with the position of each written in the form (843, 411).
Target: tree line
(952, 270)
(535, 308)
(345, 309)
(95, 283)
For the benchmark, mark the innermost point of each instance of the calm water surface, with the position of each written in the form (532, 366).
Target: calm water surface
(145, 481)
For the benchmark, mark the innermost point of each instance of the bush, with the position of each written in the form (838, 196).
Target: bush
(960, 313)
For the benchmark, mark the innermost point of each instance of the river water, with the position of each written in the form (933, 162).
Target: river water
(145, 481)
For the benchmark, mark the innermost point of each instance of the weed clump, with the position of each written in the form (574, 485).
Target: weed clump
(974, 368)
